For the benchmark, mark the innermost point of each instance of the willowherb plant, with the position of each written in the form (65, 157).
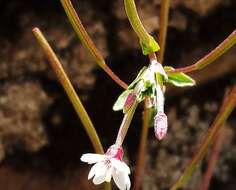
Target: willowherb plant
(148, 86)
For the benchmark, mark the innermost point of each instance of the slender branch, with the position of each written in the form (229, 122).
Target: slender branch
(142, 148)
(135, 21)
(125, 124)
(87, 41)
(143, 141)
(164, 16)
(148, 43)
(226, 109)
(70, 91)
(212, 56)
(212, 161)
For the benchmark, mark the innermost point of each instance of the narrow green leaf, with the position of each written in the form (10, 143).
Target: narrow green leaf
(120, 102)
(181, 80)
(138, 78)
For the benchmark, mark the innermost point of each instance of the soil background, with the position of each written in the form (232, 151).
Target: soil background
(41, 137)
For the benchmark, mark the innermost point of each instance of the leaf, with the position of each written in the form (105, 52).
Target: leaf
(138, 78)
(120, 102)
(180, 80)
(152, 47)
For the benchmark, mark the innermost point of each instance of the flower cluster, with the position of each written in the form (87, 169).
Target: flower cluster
(149, 84)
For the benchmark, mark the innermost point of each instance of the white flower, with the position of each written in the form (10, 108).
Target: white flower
(107, 166)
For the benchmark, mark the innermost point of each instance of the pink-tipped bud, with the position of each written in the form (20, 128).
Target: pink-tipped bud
(160, 125)
(115, 152)
(129, 101)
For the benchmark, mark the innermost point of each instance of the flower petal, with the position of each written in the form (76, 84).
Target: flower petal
(127, 182)
(94, 169)
(118, 179)
(109, 174)
(92, 158)
(120, 166)
(121, 179)
(100, 172)
(99, 179)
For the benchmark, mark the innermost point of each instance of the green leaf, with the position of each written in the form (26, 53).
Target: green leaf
(152, 47)
(180, 80)
(138, 78)
(120, 102)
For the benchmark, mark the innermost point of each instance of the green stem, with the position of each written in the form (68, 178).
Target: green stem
(225, 111)
(149, 45)
(212, 56)
(164, 16)
(87, 41)
(70, 91)
(135, 21)
(125, 124)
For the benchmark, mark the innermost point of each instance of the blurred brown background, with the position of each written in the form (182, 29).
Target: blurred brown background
(41, 138)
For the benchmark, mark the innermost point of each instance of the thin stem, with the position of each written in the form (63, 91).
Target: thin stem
(142, 148)
(70, 91)
(212, 161)
(135, 21)
(225, 111)
(152, 56)
(164, 17)
(125, 124)
(87, 41)
(212, 56)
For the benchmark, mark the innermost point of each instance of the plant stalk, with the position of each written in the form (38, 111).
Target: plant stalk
(225, 111)
(125, 124)
(210, 57)
(164, 17)
(70, 91)
(215, 152)
(135, 21)
(87, 41)
(140, 164)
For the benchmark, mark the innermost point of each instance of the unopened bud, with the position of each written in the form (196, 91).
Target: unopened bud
(130, 101)
(160, 125)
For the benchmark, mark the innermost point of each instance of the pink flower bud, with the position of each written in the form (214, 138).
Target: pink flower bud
(130, 101)
(115, 152)
(160, 125)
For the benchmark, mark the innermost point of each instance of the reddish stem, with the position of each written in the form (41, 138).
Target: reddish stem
(142, 149)
(212, 162)
(210, 57)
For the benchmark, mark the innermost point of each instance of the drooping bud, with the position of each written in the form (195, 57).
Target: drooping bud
(129, 101)
(160, 125)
